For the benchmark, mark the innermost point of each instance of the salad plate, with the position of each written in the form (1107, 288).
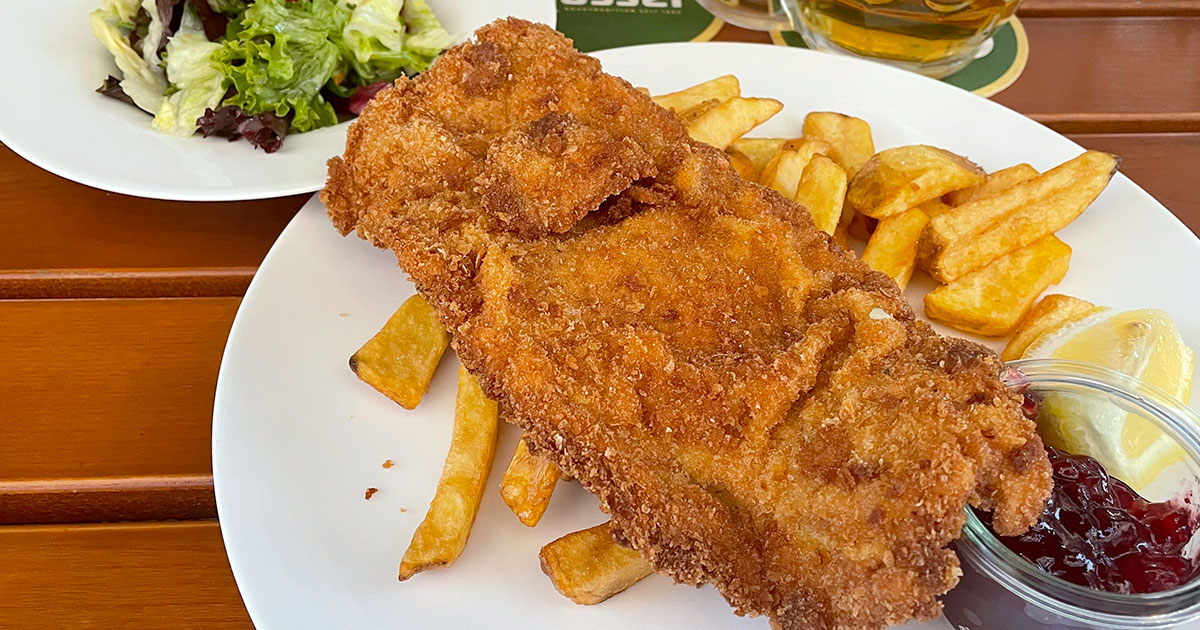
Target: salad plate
(61, 124)
(297, 438)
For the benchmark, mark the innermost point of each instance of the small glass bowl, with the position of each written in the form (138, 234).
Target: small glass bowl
(1000, 590)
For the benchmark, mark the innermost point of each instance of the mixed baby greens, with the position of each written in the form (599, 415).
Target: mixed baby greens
(258, 69)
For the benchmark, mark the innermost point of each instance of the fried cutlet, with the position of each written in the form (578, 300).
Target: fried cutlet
(754, 407)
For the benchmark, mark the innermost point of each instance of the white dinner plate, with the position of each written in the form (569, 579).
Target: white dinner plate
(297, 438)
(51, 115)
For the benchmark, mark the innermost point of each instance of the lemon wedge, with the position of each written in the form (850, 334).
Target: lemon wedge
(1142, 343)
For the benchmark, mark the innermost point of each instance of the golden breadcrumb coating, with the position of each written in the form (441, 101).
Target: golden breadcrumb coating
(754, 408)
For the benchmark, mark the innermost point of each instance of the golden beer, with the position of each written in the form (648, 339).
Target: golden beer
(935, 37)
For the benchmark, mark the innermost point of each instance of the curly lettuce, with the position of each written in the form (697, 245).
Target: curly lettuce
(387, 38)
(197, 79)
(281, 57)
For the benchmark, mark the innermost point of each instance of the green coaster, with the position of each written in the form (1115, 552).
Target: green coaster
(599, 24)
(989, 74)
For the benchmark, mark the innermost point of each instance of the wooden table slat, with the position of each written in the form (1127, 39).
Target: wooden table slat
(107, 499)
(124, 283)
(50, 223)
(1119, 68)
(1111, 8)
(149, 576)
(1158, 163)
(109, 388)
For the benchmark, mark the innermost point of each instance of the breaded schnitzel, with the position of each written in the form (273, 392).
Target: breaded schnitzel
(753, 406)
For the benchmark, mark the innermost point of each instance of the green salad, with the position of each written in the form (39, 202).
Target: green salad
(260, 69)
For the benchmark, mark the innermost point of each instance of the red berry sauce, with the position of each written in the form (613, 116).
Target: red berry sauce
(1097, 532)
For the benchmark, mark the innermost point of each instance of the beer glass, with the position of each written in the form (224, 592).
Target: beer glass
(932, 37)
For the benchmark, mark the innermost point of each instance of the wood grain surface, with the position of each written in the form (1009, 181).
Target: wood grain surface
(1094, 75)
(1157, 162)
(109, 388)
(114, 312)
(62, 238)
(1109, 8)
(143, 576)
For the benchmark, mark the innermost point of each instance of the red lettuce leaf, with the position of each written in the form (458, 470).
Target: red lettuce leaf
(214, 23)
(264, 131)
(112, 89)
(364, 94)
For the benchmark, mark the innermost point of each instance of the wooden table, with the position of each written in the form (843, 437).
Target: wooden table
(114, 312)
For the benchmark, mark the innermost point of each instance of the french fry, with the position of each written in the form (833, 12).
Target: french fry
(861, 226)
(897, 179)
(401, 358)
(991, 301)
(1051, 313)
(758, 150)
(978, 232)
(850, 138)
(934, 207)
(720, 88)
(892, 249)
(743, 165)
(784, 170)
(527, 485)
(732, 119)
(997, 182)
(588, 567)
(822, 189)
(441, 537)
(692, 113)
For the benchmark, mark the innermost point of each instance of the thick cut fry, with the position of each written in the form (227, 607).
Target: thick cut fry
(692, 113)
(588, 567)
(993, 300)
(720, 88)
(905, 177)
(527, 485)
(850, 138)
(400, 359)
(892, 249)
(822, 189)
(743, 165)
(976, 233)
(861, 226)
(934, 207)
(1052, 312)
(732, 119)
(758, 150)
(440, 538)
(997, 182)
(784, 170)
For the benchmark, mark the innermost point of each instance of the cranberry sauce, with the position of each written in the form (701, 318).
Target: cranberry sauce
(1097, 532)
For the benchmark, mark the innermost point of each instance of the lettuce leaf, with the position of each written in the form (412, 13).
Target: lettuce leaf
(156, 31)
(196, 78)
(426, 37)
(280, 58)
(143, 82)
(385, 38)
